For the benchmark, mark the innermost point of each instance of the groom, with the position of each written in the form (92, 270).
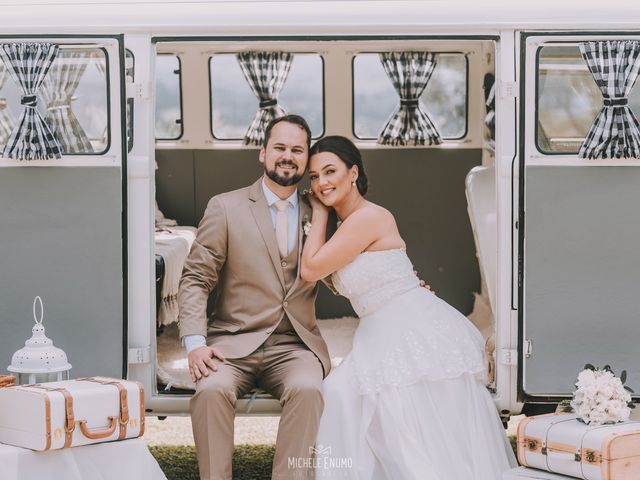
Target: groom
(263, 332)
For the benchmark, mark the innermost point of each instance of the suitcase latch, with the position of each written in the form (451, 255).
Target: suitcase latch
(591, 456)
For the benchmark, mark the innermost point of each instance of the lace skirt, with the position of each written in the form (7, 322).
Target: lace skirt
(409, 401)
(415, 336)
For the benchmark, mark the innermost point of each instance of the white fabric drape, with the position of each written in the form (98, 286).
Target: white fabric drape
(57, 91)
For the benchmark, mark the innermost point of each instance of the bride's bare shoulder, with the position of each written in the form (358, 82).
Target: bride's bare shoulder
(372, 216)
(377, 212)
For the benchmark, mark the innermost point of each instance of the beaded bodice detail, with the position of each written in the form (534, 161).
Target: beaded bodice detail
(374, 278)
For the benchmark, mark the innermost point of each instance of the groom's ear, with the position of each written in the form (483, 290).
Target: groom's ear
(261, 155)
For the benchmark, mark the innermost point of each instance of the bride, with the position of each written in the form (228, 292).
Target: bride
(409, 401)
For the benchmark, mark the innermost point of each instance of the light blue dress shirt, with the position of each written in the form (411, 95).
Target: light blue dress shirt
(192, 342)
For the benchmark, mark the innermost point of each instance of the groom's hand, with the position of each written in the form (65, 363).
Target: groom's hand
(200, 361)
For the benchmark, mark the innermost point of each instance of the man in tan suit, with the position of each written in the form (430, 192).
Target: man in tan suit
(264, 331)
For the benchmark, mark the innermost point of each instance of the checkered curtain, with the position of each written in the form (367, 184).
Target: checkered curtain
(7, 120)
(615, 133)
(28, 65)
(266, 73)
(490, 104)
(409, 125)
(57, 91)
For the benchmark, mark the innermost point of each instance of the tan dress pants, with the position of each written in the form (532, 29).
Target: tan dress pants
(282, 366)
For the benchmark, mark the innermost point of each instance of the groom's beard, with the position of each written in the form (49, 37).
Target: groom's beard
(279, 179)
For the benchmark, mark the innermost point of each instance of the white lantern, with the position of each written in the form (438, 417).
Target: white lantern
(39, 361)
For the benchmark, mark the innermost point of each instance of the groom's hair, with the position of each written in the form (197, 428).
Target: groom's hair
(290, 118)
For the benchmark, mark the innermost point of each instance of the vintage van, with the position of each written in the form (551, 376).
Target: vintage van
(510, 194)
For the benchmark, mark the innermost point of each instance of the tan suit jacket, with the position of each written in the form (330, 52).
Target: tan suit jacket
(236, 251)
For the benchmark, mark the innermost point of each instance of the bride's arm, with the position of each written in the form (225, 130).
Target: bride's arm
(321, 257)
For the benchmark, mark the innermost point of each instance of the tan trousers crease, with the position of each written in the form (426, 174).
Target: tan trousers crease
(282, 366)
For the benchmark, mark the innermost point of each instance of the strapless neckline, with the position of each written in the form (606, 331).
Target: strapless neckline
(402, 249)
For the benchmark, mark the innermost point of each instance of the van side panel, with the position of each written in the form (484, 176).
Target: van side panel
(61, 238)
(582, 273)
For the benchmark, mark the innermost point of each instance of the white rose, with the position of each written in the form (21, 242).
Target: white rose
(585, 377)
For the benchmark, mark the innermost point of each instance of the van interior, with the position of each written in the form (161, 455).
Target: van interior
(205, 105)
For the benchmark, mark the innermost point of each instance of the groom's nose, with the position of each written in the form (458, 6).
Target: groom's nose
(287, 154)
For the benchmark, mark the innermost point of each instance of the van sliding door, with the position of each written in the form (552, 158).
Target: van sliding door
(62, 219)
(579, 221)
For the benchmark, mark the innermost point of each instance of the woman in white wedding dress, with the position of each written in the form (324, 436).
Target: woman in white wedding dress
(409, 401)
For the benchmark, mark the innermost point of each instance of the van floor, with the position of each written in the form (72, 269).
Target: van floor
(172, 359)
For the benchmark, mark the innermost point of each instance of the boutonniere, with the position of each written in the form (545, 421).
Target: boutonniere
(306, 225)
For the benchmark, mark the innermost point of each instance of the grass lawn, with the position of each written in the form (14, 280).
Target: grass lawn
(250, 462)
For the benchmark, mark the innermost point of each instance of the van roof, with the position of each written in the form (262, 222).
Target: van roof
(309, 17)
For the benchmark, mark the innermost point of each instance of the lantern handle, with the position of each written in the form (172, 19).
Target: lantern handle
(35, 317)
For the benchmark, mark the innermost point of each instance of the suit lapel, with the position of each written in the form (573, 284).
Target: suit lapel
(260, 212)
(303, 211)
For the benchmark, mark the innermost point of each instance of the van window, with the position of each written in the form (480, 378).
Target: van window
(567, 99)
(72, 100)
(168, 98)
(234, 105)
(444, 98)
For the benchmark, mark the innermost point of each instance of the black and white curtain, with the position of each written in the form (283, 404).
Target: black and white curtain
(489, 86)
(409, 125)
(57, 91)
(615, 133)
(7, 120)
(265, 73)
(28, 65)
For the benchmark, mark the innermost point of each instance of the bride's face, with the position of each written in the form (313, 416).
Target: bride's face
(330, 178)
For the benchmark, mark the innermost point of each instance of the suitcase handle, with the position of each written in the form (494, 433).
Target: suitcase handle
(98, 434)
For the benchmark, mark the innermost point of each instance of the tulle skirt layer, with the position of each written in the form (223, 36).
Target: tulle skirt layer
(409, 402)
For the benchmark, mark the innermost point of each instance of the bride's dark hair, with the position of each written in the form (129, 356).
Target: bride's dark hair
(346, 151)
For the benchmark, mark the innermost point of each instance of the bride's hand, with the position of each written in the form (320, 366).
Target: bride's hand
(315, 202)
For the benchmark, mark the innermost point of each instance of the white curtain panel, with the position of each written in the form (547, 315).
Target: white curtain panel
(57, 91)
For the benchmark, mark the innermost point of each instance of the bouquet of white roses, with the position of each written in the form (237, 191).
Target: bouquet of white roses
(601, 397)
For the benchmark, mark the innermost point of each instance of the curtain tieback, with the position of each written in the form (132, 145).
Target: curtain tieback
(29, 100)
(272, 102)
(409, 102)
(616, 101)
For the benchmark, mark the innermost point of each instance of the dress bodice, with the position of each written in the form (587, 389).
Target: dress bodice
(374, 278)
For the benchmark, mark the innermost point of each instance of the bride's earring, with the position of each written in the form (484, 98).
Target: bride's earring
(353, 184)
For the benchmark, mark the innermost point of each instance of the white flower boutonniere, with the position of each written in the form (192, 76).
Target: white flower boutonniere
(306, 225)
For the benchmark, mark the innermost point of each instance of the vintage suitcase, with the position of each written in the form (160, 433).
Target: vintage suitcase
(7, 381)
(71, 413)
(559, 443)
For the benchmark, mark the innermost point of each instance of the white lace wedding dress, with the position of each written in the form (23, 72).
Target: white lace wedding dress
(409, 401)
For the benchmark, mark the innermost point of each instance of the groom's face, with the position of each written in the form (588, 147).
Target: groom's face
(286, 154)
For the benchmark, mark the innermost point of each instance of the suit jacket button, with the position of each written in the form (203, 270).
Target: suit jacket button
(284, 263)
(285, 304)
